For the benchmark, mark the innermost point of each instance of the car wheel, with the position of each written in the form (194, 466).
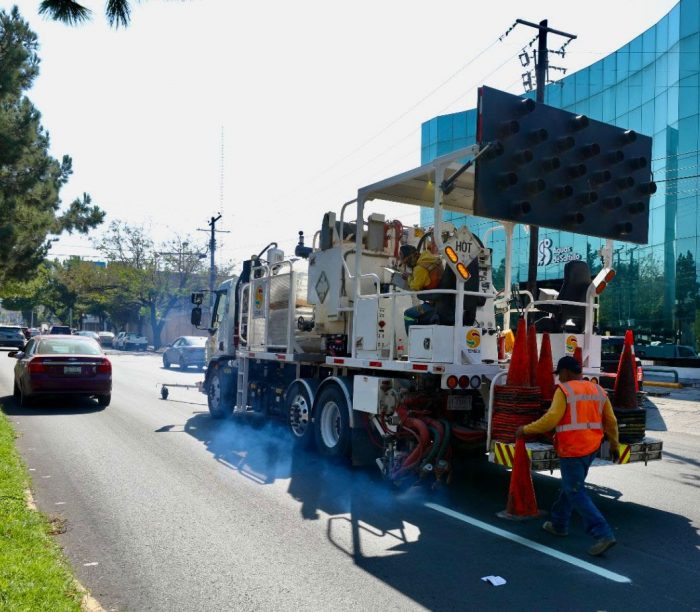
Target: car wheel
(332, 423)
(166, 362)
(298, 407)
(104, 400)
(220, 391)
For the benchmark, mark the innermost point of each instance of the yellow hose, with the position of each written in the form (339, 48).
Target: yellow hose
(667, 385)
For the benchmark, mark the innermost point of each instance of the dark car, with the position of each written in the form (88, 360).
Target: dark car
(185, 351)
(60, 329)
(62, 365)
(11, 335)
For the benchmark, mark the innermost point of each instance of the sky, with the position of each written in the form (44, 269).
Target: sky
(275, 112)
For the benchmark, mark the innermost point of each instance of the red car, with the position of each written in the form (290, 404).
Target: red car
(62, 365)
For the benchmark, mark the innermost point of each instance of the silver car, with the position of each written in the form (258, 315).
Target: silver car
(185, 351)
(11, 335)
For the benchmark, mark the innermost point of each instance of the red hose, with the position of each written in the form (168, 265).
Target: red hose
(468, 435)
(420, 429)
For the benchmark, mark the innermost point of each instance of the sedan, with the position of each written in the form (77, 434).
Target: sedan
(62, 365)
(11, 335)
(185, 351)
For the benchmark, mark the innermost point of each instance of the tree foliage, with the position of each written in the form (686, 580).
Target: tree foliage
(30, 179)
(70, 12)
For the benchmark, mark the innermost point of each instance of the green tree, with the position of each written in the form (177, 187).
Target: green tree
(30, 179)
(118, 12)
(158, 278)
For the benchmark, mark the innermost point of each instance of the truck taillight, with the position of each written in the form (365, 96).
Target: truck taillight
(104, 367)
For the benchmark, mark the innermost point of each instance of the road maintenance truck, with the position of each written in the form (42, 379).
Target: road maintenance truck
(318, 339)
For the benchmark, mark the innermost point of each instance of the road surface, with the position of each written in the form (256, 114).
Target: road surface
(166, 509)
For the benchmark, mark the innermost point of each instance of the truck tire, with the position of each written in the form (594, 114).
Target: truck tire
(298, 411)
(332, 423)
(219, 394)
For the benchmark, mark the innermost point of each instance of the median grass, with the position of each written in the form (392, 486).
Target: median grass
(33, 572)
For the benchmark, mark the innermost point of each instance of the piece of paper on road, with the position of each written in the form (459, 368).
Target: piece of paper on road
(494, 580)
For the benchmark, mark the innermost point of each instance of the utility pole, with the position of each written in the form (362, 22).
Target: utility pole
(541, 67)
(212, 251)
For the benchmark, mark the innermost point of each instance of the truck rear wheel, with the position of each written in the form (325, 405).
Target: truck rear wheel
(219, 394)
(332, 423)
(298, 405)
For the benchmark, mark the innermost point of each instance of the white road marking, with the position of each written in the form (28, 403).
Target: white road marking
(32, 469)
(60, 503)
(590, 567)
(90, 564)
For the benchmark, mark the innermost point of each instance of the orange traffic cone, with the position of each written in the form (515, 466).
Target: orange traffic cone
(545, 370)
(519, 372)
(626, 381)
(578, 355)
(532, 354)
(522, 503)
(629, 341)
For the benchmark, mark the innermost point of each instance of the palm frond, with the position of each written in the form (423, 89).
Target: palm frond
(118, 13)
(65, 11)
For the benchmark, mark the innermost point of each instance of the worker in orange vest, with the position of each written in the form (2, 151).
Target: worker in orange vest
(426, 272)
(579, 414)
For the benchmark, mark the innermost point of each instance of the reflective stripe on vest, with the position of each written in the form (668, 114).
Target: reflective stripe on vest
(572, 399)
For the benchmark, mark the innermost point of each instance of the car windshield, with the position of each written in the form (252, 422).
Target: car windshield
(194, 341)
(10, 330)
(133, 336)
(68, 346)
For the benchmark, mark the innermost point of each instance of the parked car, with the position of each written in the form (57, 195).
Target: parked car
(130, 341)
(185, 351)
(106, 338)
(669, 354)
(88, 334)
(11, 335)
(60, 329)
(62, 365)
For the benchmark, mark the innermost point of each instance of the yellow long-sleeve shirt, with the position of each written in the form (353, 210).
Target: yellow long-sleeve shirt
(420, 277)
(549, 420)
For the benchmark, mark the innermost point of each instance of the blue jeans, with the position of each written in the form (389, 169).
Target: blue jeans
(418, 315)
(573, 496)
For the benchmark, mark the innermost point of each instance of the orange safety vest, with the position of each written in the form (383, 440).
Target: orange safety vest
(580, 431)
(434, 272)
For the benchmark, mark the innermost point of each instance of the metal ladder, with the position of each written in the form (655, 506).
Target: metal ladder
(242, 386)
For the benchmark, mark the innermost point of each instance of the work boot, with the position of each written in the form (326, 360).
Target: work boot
(601, 546)
(549, 527)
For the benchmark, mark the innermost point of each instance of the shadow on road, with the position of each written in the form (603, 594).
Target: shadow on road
(49, 406)
(392, 535)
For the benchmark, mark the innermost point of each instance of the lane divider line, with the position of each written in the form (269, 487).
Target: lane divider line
(589, 567)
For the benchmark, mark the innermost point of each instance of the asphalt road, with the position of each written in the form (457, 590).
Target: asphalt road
(166, 509)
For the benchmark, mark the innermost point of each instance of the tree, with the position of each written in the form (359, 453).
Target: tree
(30, 179)
(118, 12)
(158, 278)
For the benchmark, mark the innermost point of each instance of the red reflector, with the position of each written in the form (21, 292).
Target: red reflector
(281, 356)
(381, 324)
(339, 360)
(375, 364)
(105, 367)
(464, 382)
(420, 366)
(452, 381)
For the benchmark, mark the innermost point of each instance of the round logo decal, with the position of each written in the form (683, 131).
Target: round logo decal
(473, 338)
(258, 297)
(571, 344)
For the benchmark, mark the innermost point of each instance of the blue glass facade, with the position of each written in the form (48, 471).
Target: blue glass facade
(651, 85)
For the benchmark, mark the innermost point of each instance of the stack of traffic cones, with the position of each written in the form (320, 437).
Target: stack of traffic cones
(519, 370)
(545, 370)
(532, 354)
(625, 395)
(522, 503)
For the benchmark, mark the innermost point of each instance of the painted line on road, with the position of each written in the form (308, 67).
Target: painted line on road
(590, 567)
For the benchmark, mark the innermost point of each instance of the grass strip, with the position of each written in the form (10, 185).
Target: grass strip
(34, 574)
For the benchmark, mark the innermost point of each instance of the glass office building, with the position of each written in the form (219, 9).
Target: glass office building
(651, 85)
